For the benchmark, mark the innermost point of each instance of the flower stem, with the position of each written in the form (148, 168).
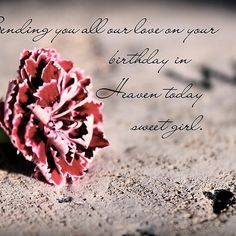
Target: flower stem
(3, 137)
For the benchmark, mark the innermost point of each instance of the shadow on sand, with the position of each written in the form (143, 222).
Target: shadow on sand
(13, 162)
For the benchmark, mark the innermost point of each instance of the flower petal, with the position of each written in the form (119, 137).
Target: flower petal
(47, 94)
(50, 72)
(66, 65)
(91, 108)
(98, 140)
(31, 67)
(9, 104)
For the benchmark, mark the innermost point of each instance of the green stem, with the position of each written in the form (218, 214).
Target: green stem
(3, 137)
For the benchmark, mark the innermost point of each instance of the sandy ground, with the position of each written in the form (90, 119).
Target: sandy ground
(142, 184)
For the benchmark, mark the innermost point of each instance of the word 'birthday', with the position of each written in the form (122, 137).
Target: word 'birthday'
(145, 57)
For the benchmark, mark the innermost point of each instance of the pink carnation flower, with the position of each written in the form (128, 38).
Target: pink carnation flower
(51, 117)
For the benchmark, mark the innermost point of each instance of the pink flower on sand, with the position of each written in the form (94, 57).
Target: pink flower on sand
(51, 117)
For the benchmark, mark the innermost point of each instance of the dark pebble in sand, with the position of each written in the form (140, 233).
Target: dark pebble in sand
(65, 200)
(221, 198)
